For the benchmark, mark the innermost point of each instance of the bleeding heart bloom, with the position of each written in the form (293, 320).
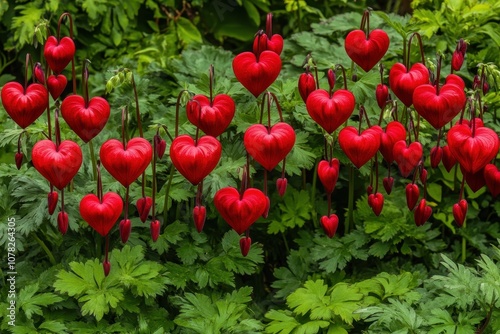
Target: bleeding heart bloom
(474, 180)
(257, 73)
(212, 117)
(448, 159)
(263, 42)
(330, 111)
(366, 51)
(195, 160)
(101, 215)
(269, 146)
(422, 213)
(388, 182)
(281, 184)
(394, 132)
(58, 53)
(328, 173)
(404, 82)
(330, 224)
(359, 148)
(436, 156)
(24, 106)
(240, 211)
(407, 156)
(56, 85)
(382, 94)
(492, 178)
(143, 205)
(376, 202)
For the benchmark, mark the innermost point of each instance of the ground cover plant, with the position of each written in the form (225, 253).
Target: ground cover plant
(314, 168)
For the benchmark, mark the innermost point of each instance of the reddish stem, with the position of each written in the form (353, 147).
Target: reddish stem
(343, 74)
(59, 23)
(269, 25)
(422, 55)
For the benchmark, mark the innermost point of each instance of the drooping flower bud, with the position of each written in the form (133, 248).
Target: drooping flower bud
(125, 229)
(436, 156)
(106, 266)
(62, 222)
(52, 201)
(460, 212)
(281, 184)
(154, 228)
(388, 182)
(412, 194)
(382, 93)
(19, 159)
(330, 224)
(143, 205)
(307, 85)
(422, 213)
(457, 59)
(160, 146)
(331, 78)
(199, 216)
(423, 176)
(245, 244)
(39, 73)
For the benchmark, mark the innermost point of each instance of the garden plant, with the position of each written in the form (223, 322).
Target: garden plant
(250, 166)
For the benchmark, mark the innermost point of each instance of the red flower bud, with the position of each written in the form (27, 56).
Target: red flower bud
(143, 205)
(62, 222)
(52, 201)
(369, 191)
(382, 93)
(281, 184)
(125, 229)
(19, 159)
(422, 213)
(457, 60)
(154, 227)
(199, 216)
(436, 156)
(307, 85)
(160, 146)
(423, 175)
(106, 266)
(388, 183)
(331, 78)
(245, 244)
(39, 73)
(460, 212)
(412, 194)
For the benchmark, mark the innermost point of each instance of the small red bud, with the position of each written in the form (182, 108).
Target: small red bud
(281, 184)
(154, 227)
(436, 156)
(160, 146)
(476, 83)
(460, 212)
(486, 88)
(449, 159)
(388, 183)
(422, 213)
(125, 229)
(106, 266)
(199, 216)
(52, 201)
(381, 93)
(369, 190)
(19, 159)
(423, 176)
(306, 85)
(245, 244)
(62, 222)
(39, 73)
(143, 205)
(331, 78)
(462, 46)
(457, 59)
(412, 194)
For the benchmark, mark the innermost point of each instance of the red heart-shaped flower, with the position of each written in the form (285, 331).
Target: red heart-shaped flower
(212, 118)
(281, 184)
(492, 178)
(57, 165)
(262, 43)
(436, 156)
(438, 107)
(101, 215)
(382, 94)
(407, 156)
(257, 74)
(328, 173)
(448, 158)
(359, 148)
(472, 152)
(195, 160)
(126, 164)
(24, 107)
(330, 111)
(58, 53)
(87, 120)
(56, 85)
(422, 213)
(388, 182)
(404, 82)
(366, 52)
(269, 146)
(376, 202)
(240, 211)
(394, 132)
(330, 224)
(474, 180)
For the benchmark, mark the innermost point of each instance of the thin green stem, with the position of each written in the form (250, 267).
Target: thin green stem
(286, 243)
(167, 191)
(93, 159)
(464, 244)
(350, 205)
(46, 249)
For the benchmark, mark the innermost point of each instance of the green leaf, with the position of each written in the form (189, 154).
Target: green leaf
(187, 31)
(295, 211)
(31, 302)
(53, 326)
(345, 299)
(252, 12)
(311, 298)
